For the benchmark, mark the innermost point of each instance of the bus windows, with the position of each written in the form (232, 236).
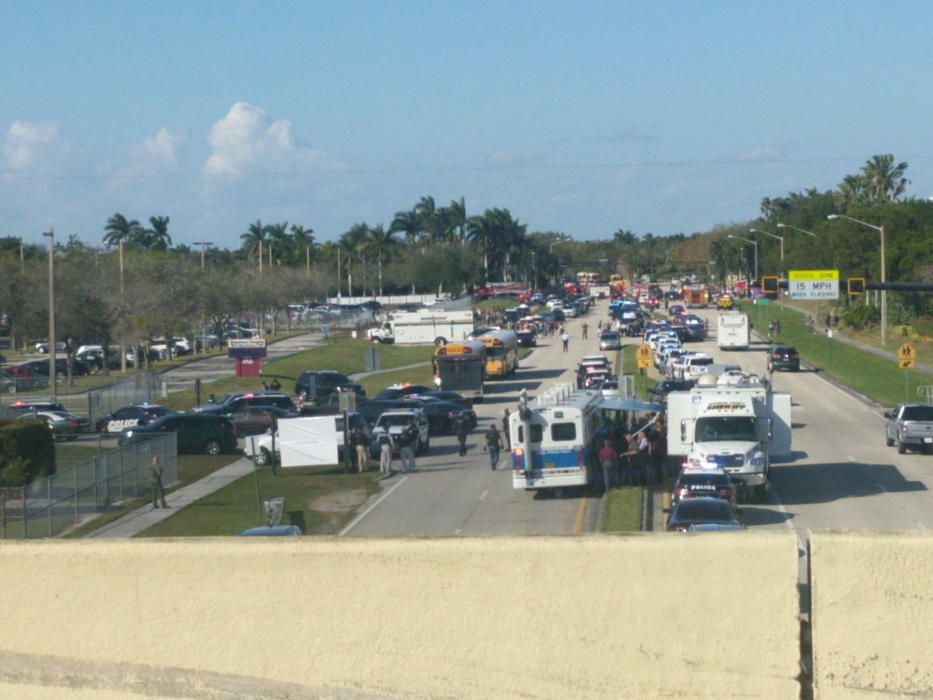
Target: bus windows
(563, 432)
(536, 433)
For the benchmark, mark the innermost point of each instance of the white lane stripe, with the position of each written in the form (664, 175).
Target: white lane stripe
(353, 523)
(483, 495)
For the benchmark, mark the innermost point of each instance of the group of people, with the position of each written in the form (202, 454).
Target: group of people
(628, 459)
(405, 443)
(774, 328)
(275, 385)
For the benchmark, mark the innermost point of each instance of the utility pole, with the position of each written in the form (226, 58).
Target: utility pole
(50, 234)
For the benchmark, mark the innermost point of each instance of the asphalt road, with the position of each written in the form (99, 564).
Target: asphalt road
(452, 495)
(842, 475)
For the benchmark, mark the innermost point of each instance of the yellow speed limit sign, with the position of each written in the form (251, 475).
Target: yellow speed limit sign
(643, 354)
(906, 356)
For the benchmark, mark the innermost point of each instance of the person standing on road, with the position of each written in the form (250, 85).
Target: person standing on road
(155, 482)
(565, 339)
(586, 330)
(406, 450)
(493, 445)
(505, 429)
(358, 440)
(460, 428)
(608, 459)
(385, 452)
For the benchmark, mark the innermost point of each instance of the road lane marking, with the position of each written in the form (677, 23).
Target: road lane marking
(578, 523)
(358, 518)
(483, 495)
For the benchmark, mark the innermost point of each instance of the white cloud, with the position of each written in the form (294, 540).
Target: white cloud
(31, 145)
(777, 151)
(156, 155)
(248, 140)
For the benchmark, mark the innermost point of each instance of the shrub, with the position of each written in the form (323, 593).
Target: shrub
(27, 452)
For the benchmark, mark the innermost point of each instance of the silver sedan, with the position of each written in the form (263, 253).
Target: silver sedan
(610, 340)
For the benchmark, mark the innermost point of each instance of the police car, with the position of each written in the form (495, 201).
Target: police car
(130, 417)
(694, 483)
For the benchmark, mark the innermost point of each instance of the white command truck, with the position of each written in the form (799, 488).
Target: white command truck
(732, 331)
(737, 427)
(424, 326)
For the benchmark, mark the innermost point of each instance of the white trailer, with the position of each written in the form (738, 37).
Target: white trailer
(737, 427)
(732, 331)
(423, 327)
(600, 291)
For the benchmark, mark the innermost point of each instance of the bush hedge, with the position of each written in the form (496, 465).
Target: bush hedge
(27, 452)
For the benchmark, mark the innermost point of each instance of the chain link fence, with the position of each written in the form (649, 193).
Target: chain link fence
(51, 506)
(140, 387)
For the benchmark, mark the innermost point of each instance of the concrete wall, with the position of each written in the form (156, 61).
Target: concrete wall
(599, 617)
(872, 614)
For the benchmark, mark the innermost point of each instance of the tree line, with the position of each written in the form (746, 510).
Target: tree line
(430, 248)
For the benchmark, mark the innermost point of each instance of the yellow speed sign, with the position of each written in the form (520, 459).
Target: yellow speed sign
(643, 354)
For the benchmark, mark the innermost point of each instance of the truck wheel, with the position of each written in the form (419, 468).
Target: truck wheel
(212, 447)
(888, 441)
(760, 493)
(262, 457)
(440, 341)
(901, 448)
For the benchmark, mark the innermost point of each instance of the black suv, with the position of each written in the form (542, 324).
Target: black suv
(240, 400)
(317, 386)
(783, 357)
(197, 433)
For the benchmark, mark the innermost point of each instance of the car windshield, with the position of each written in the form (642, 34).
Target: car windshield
(395, 419)
(726, 428)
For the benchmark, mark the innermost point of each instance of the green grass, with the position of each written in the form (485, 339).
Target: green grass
(326, 498)
(623, 509)
(191, 468)
(878, 378)
(630, 366)
(344, 355)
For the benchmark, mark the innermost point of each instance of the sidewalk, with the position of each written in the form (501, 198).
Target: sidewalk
(145, 517)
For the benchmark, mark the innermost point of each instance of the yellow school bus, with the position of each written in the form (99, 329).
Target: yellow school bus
(501, 352)
(461, 366)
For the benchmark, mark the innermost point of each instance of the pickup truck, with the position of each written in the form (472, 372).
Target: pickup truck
(910, 427)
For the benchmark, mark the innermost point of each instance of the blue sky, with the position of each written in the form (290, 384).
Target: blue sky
(578, 117)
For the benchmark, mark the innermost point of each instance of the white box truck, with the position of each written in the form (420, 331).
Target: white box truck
(732, 331)
(424, 326)
(737, 427)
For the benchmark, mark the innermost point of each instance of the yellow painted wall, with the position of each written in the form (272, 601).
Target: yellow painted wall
(872, 614)
(601, 617)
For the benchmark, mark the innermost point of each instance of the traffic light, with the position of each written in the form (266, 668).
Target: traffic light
(769, 285)
(855, 286)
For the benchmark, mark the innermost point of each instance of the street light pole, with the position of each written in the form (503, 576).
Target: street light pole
(884, 292)
(773, 235)
(754, 243)
(50, 234)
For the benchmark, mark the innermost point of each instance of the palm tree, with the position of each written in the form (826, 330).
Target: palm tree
(302, 242)
(480, 233)
(278, 239)
(407, 223)
(852, 191)
(429, 219)
(119, 229)
(254, 238)
(157, 237)
(455, 219)
(381, 244)
(353, 244)
(885, 181)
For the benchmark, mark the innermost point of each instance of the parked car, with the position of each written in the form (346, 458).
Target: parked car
(783, 357)
(665, 387)
(43, 347)
(451, 396)
(130, 417)
(703, 513)
(694, 483)
(317, 386)
(398, 392)
(20, 378)
(442, 415)
(264, 445)
(527, 338)
(197, 433)
(239, 400)
(394, 421)
(64, 425)
(255, 420)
